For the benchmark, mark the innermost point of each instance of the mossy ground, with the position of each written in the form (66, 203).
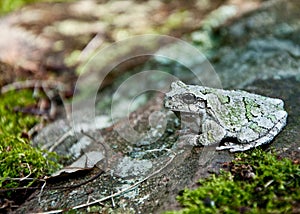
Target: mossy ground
(18, 159)
(11, 5)
(256, 182)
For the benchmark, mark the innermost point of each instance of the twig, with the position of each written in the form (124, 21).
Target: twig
(22, 188)
(91, 47)
(18, 188)
(50, 94)
(50, 212)
(22, 179)
(34, 84)
(60, 140)
(27, 176)
(41, 191)
(268, 183)
(91, 197)
(45, 85)
(112, 201)
(35, 129)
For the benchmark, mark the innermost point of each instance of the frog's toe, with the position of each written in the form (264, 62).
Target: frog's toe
(194, 140)
(241, 148)
(226, 145)
(189, 139)
(235, 147)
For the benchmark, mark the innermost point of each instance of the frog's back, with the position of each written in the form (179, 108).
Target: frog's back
(237, 109)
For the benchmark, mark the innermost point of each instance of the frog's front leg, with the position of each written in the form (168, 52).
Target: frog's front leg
(212, 133)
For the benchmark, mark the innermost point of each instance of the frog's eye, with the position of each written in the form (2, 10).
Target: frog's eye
(189, 98)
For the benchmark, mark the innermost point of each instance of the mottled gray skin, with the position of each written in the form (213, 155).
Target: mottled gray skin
(243, 119)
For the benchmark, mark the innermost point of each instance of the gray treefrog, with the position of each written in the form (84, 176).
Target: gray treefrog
(239, 119)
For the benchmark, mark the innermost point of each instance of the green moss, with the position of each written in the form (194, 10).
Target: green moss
(272, 187)
(13, 123)
(17, 157)
(11, 5)
(174, 21)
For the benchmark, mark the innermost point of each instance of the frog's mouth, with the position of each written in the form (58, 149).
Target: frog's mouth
(180, 113)
(177, 113)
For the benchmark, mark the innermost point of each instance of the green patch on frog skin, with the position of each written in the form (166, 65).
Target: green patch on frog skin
(209, 91)
(223, 99)
(273, 187)
(210, 137)
(249, 104)
(272, 118)
(18, 158)
(255, 127)
(235, 114)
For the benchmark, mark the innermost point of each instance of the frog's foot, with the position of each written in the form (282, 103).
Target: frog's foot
(206, 139)
(212, 134)
(233, 147)
(189, 139)
(195, 140)
(186, 132)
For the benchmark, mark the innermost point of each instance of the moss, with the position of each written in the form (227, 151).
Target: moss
(174, 21)
(257, 182)
(13, 123)
(17, 157)
(11, 5)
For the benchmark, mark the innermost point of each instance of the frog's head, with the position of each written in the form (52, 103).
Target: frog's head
(185, 98)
